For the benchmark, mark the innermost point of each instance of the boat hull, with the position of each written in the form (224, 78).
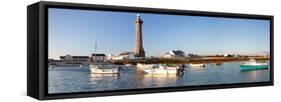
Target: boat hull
(158, 68)
(160, 71)
(104, 71)
(146, 66)
(253, 67)
(197, 65)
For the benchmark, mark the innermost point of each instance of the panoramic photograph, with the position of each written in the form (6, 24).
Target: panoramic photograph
(91, 50)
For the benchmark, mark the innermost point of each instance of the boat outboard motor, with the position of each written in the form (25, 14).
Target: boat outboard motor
(120, 68)
(180, 71)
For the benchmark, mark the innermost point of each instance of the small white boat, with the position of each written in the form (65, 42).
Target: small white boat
(162, 69)
(196, 65)
(104, 68)
(146, 66)
(128, 65)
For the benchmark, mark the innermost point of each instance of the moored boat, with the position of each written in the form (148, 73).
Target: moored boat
(253, 65)
(162, 69)
(128, 65)
(196, 65)
(146, 66)
(104, 68)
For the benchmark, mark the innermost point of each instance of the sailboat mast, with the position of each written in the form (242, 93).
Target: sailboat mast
(95, 50)
(95, 46)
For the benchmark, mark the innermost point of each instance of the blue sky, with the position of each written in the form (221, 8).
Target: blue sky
(75, 32)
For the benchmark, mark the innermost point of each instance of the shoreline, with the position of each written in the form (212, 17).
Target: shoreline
(188, 60)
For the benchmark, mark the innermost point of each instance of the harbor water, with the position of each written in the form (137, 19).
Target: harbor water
(79, 79)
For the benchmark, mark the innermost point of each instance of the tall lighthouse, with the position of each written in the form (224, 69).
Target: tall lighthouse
(139, 51)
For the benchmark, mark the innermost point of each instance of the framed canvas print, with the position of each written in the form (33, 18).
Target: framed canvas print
(82, 50)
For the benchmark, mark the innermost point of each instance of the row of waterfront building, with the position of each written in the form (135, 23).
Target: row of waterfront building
(131, 55)
(97, 57)
(121, 56)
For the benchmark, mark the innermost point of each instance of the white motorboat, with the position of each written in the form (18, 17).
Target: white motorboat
(196, 65)
(146, 66)
(128, 65)
(104, 68)
(162, 69)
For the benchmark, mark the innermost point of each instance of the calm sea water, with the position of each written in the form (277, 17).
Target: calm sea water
(79, 79)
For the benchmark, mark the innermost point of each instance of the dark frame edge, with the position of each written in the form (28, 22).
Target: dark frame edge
(271, 50)
(42, 51)
(84, 6)
(157, 91)
(33, 50)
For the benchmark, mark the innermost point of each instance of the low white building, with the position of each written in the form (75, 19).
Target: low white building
(124, 55)
(98, 57)
(74, 58)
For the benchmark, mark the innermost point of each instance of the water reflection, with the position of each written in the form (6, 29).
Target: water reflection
(254, 75)
(102, 76)
(159, 80)
(72, 79)
(196, 68)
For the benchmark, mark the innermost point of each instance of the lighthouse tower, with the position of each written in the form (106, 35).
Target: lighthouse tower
(139, 51)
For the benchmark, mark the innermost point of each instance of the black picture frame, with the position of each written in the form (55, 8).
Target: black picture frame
(37, 49)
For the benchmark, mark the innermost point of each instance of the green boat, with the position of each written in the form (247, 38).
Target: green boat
(253, 65)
